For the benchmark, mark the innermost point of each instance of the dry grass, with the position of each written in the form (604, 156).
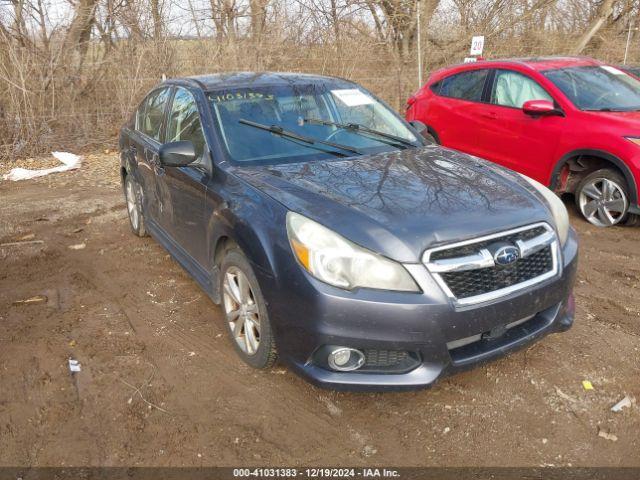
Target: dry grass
(53, 100)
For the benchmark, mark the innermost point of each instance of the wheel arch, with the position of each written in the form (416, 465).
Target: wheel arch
(253, 238)
(127, 167)
(605, 157)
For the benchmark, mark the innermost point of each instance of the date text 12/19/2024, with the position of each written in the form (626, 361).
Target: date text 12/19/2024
(315, 473)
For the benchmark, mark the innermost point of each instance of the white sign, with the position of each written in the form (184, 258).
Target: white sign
(352, 97)
(470, 59)
(477, 44)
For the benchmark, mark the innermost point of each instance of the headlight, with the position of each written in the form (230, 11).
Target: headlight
(558, 210)
(337, 261)
(635, 140)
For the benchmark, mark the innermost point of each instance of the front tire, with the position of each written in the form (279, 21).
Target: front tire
(246, 312)
(603, 198)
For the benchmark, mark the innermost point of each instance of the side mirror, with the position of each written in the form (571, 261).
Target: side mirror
(420, 127)
(177, 154)
(540, 108)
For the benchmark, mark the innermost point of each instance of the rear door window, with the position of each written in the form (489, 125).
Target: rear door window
(465, 85)
(513, 89)
(151, 113)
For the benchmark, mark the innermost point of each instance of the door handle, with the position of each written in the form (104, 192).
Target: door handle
(489, 115)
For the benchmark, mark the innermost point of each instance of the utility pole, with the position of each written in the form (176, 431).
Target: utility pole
(626, 48)
(420, 44)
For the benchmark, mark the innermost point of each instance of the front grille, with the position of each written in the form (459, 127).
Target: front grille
(470, 271)
(477, 282)
(474, 247)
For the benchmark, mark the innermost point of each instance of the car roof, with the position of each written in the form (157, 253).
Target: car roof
(533, 63)
(551, 63)
(254, 79)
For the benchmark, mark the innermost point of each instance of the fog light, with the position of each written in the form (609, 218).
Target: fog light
(341, 357)
(345, 359)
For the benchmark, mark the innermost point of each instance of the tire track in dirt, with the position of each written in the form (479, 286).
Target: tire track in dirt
(214, 355)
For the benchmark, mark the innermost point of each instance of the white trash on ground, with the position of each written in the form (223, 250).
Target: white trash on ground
(607, 435)
(625, 402)
(74, 365)
(70, 162)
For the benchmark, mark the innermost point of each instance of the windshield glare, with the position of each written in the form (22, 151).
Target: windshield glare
(291, 107)
(600, 88)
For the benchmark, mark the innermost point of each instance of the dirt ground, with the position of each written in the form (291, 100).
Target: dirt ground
(161, 385)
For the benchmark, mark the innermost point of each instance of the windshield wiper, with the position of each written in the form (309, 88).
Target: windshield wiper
(308, 141)
(362, 129)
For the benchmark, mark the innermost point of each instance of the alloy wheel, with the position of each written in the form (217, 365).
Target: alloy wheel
(241, 310)
(603, 202)
(132, 204)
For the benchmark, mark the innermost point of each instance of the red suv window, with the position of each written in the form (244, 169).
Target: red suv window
(465, 85)
(513, 89)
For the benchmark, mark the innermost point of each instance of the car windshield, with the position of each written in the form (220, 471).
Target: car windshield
(635, 71)
(597, 88)
(332, 115)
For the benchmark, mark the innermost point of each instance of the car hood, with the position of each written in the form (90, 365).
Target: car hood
(627, 122)
(400, 203)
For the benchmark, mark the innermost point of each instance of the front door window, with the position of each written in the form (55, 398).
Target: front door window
(184, 121)
(512, 89)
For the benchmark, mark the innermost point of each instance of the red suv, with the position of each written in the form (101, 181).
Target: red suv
(572, 124)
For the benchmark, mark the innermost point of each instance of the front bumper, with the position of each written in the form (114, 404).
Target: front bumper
(311, 315)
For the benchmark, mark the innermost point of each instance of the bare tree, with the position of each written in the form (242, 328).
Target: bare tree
(72, 79)
(79, 32)
(258, 12)
(604, 12)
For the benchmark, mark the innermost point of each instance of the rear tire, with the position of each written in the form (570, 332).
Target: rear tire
(246, 312)
(603, 198)
(133, 196)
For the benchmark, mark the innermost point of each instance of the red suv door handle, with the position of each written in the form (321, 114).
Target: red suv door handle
(489, 115)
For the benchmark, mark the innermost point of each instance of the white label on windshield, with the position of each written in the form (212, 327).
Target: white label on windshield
(613, 70)
(352, 97)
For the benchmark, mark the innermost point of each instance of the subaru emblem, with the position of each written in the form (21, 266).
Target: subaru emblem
(506, 255)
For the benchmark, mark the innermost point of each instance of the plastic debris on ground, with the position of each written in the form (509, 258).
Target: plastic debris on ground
(624, 403)
(587, 385)
(69, 161)
(607, 436)
(74, 365)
